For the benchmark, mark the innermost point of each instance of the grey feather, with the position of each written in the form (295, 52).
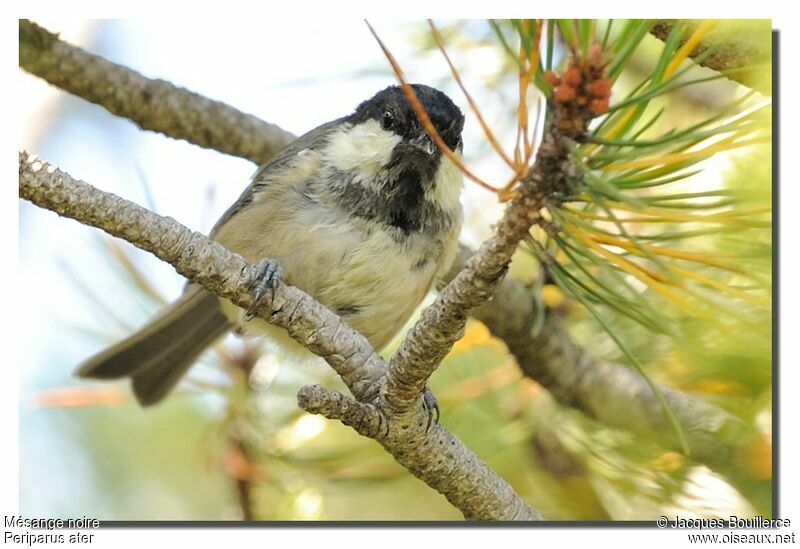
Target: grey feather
(160, 353)
(311, 140)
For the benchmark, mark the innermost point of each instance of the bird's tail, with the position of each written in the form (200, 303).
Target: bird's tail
(158, 355)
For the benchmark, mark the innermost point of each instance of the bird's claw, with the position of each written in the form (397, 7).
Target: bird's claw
(269, 274)
(431, 406)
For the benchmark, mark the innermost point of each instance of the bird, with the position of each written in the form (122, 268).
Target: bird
(363, 213)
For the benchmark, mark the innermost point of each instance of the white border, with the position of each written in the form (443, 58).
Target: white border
(780, 12)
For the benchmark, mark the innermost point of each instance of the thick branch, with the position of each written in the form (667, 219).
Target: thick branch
(209, 264)
(442, 324)
(611, 393)
(434, 455)
(152, 104)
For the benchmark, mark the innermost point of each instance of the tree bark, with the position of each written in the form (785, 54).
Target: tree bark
(152, 104)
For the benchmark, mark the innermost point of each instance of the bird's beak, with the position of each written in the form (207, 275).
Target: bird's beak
(425, 144)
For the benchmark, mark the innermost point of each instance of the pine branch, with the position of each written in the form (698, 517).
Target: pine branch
(432, 454)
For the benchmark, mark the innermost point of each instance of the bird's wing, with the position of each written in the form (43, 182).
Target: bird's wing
(312, 140)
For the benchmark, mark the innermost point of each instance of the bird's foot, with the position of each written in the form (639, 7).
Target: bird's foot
(269, 274)
(431, 406)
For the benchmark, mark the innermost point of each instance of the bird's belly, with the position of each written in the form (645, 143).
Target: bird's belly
(368, 275)
(377, 291)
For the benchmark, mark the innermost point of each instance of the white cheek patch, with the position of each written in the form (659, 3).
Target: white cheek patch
(365, 148)
(447, 185)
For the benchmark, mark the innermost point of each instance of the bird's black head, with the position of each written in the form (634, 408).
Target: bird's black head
(386, 168)
(391, 109)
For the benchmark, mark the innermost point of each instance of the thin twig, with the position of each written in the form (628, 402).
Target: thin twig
(487, 131)
(423, 116)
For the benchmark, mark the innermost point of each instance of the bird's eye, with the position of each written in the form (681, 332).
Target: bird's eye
(387, 121)
(458, 143)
